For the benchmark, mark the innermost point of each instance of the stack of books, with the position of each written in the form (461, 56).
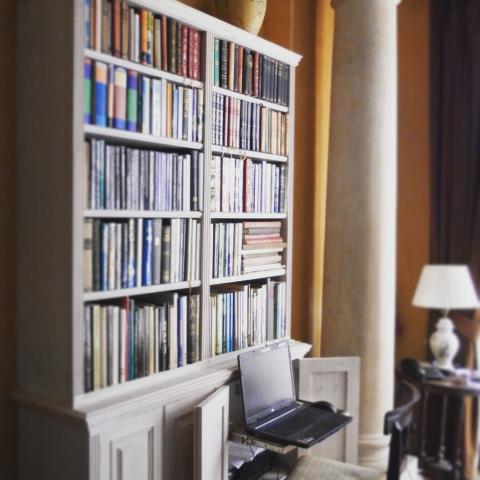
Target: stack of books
(246, 315)
(135, 34)
(227, 248)
(242, 185)
(262, 246)
(242, 70)
(120, 177)
(120, 98)
(140, 252)
(131, 339)
(249, 126)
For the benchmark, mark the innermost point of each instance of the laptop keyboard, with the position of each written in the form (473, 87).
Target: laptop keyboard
(303, 422)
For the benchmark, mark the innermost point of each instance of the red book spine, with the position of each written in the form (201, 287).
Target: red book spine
(144, 36)
(240, 70)
(185, 36)
(196, 55)
(191, 44)
(164, 43)
(117, 28)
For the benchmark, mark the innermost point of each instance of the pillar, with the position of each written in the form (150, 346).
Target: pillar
(359, 290)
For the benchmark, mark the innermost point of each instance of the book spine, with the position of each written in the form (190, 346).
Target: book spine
(157, 43)
(120, 98)
(184, 50)
(144, 37)
(125, 30)
(88, 349)
(216, 62)
(224, 64)
(132, 100)
(164, 43)
(172, 66)
(87, 79)
(100, 94)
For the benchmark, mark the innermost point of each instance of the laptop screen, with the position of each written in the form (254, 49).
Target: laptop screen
(267, 381)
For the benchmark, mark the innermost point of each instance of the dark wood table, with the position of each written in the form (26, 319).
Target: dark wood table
(448, 418)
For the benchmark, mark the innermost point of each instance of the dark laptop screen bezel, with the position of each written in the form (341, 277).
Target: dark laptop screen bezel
(274, 408)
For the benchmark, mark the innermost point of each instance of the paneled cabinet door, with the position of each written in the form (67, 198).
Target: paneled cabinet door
(337, 380)
(211, 436)
(129, 448)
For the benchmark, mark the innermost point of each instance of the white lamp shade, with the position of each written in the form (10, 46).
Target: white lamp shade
(446, 287)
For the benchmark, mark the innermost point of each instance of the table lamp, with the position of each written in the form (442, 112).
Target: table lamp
(445, 287)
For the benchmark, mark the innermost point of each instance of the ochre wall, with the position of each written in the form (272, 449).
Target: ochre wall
(413, 173)
(7, 238)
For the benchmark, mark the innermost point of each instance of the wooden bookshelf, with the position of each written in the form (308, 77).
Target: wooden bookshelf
(144, 412)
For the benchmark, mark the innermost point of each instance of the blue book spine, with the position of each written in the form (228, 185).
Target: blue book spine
(101, 95)
(147, 252)
(87, 83)
(104, 257)
(132, 100)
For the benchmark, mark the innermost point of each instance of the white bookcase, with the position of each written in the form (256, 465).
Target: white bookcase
(65, 432)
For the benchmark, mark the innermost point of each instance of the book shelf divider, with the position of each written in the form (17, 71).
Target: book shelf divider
(206, 332)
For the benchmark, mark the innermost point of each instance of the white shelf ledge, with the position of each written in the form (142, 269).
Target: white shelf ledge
(248, 98)
(238, 152)
(248, 276)
(138, 67)
(140, 214)
(128, 292)
(247, 216)
(139, 138)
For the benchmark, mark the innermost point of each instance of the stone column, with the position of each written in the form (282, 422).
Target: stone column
(359, 292)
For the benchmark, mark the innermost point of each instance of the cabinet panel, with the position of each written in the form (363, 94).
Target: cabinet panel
(337, 381)
(129, 448)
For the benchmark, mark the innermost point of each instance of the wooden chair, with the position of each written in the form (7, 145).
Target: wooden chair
(397, 423)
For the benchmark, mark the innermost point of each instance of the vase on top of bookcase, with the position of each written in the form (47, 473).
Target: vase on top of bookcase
(246, 14)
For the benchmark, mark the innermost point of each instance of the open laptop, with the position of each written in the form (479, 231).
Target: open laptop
(269, 401)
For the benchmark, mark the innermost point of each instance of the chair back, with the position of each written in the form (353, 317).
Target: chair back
(397, 424)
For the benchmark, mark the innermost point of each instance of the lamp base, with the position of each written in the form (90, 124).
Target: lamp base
(444, 344)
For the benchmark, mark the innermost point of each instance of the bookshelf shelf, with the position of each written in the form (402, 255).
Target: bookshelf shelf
(249, 153)
(247, 216)
(248, 276)
(150, 71)
(140, 214)
(129, 292)
(125, 136)
(249, 98)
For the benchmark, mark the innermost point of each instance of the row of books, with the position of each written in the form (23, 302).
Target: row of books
(226, 249)
(262, 246)
(243, 70)
(242, 185)
(131, 339)
(249, 126)
(242, 316)
(138, 35)
(124, 99)
(140, 252)
(120, 177)
(246, 247)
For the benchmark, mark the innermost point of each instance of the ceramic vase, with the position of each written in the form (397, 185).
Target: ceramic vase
(444, 344)
(246, 14)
